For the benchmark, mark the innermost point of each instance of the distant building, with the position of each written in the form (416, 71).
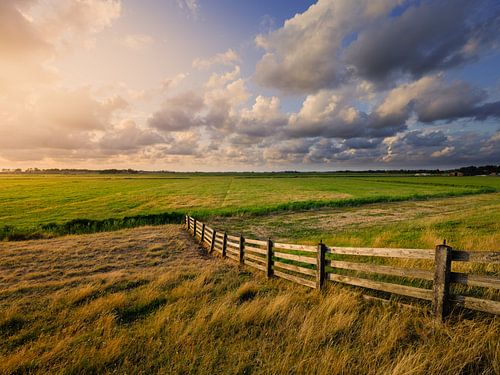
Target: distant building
(456, 174)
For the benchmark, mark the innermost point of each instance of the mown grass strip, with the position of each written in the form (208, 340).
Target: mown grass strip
(85, 226)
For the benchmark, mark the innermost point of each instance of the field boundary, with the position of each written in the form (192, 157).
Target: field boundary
(309, 265)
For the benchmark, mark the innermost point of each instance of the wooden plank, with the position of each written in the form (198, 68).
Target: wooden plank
(233, 238)
(254, 257)
(255, 249)
(476, 256)
(232, 251)
(208, 229)
(256, 242)
(383, 252)
(219, 241)
(492, 307)
(296, 279)
(292, 267)
(269, 258)
(441, 285)
(232, 256)
(320, 266)
(236, 245)
(220, 235)
(241, 249)
(224, 245)
(298, 258)
(475, 280)
(385, 270)
(384, 287)
(287, 246)
(256, 265)
(212, 242)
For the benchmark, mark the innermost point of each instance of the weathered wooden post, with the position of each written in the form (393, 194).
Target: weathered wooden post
(194, 230)
(212, 243)
(320, 266)
(224, 245)
(269, 258)
(242, 249)
(441, 288)
(202, 233)
(186, 221)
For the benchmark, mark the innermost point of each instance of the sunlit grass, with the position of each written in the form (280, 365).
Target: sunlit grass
(146, 301)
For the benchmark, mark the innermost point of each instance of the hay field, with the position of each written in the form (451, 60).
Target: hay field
(146, 300)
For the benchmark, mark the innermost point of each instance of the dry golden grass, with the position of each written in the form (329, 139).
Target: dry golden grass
(147, 300)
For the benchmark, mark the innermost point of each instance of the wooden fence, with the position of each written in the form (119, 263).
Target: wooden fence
(308, 265)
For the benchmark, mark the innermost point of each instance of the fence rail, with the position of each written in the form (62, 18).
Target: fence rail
(308, 265)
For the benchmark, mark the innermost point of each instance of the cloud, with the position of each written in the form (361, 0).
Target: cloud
(264, 118)
(432, 99)
(59, 119)
(137, 41)
(178, 113)
(230, 57)
(191, 6)
(335, 42)
(70, 23)
(128, 137)
(170, 83)
(327, 114)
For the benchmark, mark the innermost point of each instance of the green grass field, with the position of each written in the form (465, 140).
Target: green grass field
(43, 205)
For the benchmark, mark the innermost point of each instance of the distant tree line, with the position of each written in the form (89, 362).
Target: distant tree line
(465, 171)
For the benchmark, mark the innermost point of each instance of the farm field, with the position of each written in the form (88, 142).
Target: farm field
(469, 222)
(146, 300)
(43, 204)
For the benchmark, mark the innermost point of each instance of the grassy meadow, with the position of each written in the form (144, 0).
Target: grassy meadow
(147, 300)
(37, 206)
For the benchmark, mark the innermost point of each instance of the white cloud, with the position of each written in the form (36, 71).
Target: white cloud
(230, 57)
(137, 41)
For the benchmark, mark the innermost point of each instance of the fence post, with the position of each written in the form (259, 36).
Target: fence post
(441, 287)
(202, 233)
(269, 258)
(224, 245)
(320, 266)
(186, 221)
(212, 243)
(194, 230)
(242, 248)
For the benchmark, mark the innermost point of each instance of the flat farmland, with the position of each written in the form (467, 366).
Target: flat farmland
(150, 300)
(28, 202)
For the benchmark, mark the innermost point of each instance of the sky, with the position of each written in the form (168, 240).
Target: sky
(221, 85)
